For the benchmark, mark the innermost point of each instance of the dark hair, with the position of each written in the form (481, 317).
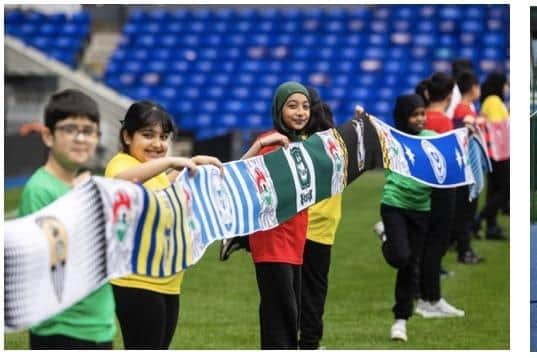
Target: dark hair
(70, 103)
(459, 66)
(143, 114)
(439, 87)
(321, 117)
(466, 81)
(493, 85)
(422, 91)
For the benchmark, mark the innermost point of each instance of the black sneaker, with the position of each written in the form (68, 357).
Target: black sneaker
(228, 246)
(495, 233)
(470, 258)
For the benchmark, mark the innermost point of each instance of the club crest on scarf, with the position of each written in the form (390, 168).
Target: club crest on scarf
(57, 239)
(334, 151)
(221, 199)
(304, 176)
(437, 160)
(121, 214)
(193, 224)
(265, 191)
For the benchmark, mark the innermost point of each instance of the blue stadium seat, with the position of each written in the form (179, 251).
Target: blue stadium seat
(173, 27)
(472, 26)
(215, 91)
(451, 12)
(239, 92)
(379, 26)
(425, 40)
(13, 17)
(494, 39)
(376, 52)
(82, 17)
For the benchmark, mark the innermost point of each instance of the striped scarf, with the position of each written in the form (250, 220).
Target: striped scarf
(110, 228)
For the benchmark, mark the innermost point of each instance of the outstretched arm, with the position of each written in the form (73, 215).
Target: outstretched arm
(271, 139)
(152, 168)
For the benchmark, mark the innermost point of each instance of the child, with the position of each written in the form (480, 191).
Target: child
(71, 135)
(323, 221)
(148, 307)
(495, 112)
(464, 114)
(438, 88)
(404, 208)
(278, 253)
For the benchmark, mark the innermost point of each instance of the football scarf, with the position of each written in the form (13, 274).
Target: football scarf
(108, 228)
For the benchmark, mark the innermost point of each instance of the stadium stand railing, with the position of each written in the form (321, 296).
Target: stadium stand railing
(22, 59)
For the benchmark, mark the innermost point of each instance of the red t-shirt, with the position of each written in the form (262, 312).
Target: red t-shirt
(284, 243)
(437, 121)
(461, 111)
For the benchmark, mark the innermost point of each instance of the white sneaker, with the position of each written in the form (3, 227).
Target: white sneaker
(378, 228)
(398, 330)
(443, 306)
(424, 309)
(438, 309)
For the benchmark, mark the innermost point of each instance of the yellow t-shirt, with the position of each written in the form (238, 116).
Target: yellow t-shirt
(168, 285)
(323, 220)
(494, 110)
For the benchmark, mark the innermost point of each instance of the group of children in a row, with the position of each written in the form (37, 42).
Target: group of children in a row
(420, 223)
(291, 261)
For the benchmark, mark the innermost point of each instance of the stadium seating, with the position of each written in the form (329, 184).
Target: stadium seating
(218, 67)
(58, 36)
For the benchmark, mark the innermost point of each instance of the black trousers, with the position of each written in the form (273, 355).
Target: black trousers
(405, 233)
(436, 242)
(497, 191)
(464, 215)
(148, 319)
(314, 288)
(279, 287)
(58, 341)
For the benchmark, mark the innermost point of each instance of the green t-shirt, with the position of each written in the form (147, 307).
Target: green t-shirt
(92, 318)
(406, 193)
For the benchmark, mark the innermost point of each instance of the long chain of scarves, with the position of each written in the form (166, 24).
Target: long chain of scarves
(110, 228)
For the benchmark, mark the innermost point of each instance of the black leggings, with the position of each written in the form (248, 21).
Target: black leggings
(279, 310)
(59, 341)
(148, 319)
(497, 191)
(405, 233)
(437, 242)
(314, 287)
(464, 217)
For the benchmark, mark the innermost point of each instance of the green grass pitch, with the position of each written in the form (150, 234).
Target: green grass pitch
(219, 300)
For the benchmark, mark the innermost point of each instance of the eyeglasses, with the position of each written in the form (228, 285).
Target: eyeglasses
(72, 130)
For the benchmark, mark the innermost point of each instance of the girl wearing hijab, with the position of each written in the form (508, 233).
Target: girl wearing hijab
(323, 220)
(278, 253)
(404, 208)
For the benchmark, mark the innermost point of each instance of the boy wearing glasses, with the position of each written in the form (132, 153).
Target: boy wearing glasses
(71, 135)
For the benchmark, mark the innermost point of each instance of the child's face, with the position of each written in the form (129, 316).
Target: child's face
(416, 121)
(148, 143)
(73, 141)
(476, 92)
(296, 111)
